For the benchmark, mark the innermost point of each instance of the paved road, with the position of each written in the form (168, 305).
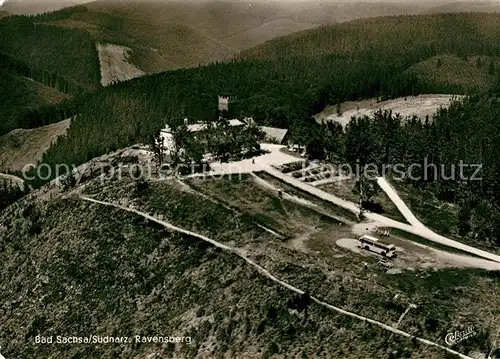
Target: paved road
(270, 276)
(419, 230)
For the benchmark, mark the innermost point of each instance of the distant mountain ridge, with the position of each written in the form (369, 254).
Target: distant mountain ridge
(162, 36)
(31, 7)
(466, 6)
(165, 35)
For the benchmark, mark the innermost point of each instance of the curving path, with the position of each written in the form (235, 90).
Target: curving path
(418, 229)
(402, 207)
(275, 156)
(267, 274)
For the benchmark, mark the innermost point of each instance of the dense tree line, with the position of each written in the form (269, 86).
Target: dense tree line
(414, 37)
(63, 59)
(62, 14)
(59, 57)
(455, 156)
(48, 114)
(277, 91)
(43, 76)
(273, 93)
(24, 106)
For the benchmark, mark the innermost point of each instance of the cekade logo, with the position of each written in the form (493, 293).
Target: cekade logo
(458, 336)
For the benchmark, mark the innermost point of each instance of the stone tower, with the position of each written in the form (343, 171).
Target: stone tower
(225, 102)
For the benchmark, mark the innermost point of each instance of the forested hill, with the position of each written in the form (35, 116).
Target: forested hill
(411, 35)
(25, 99)
(42, 65)
(286, 88)
(62, 58)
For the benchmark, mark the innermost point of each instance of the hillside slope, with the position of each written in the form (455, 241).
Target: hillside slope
(472, 31)
(154, 281)
(21, 96)
(466, 6)
(289, 79)
(61, 58)
(41, 68)
(467, 75)
(22, 147)
(171, 35)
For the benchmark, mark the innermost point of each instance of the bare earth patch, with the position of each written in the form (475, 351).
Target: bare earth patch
(420, 106)
(21, 147)
(114, 64)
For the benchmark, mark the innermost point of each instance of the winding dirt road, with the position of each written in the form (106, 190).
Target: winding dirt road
(276, 157)
(418, 229)
(267, 274)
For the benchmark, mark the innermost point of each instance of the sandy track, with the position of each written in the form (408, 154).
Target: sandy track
(276, 157)
(421, 231)
(402, 207)
(270, 276)
(420, 256)
(426, 232)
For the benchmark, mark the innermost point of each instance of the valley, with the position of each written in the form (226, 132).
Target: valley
(307, 260)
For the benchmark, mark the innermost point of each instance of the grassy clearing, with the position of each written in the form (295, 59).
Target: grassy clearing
(21, 147)
(336, 210)
(240, 194)
(187, 210)
(265, 207)
(344, 190)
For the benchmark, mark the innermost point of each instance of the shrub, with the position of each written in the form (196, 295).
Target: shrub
(35, 229)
